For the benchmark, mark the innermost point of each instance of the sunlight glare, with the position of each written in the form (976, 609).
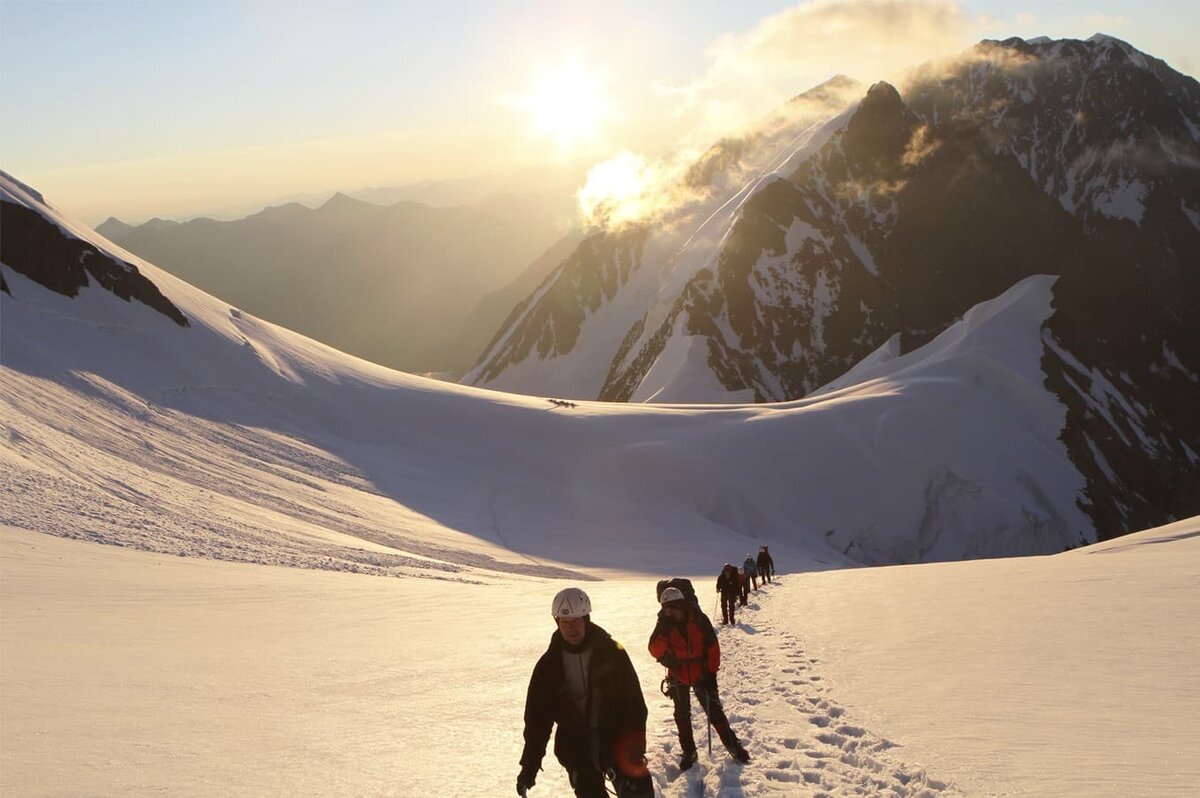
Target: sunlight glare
(618, 191)
(566, 104)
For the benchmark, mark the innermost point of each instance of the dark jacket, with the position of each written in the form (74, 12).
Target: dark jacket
(612, 683)
(729, 583)
(689, 650)
(766, 564)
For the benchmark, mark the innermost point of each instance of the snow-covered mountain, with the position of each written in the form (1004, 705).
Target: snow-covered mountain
(617, 287)
(874, 229)
(948, 453)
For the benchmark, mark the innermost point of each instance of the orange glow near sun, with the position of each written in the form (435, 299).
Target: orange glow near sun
(566, 105)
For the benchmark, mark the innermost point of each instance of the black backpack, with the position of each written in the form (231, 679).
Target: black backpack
(684, 585)
(689, 593)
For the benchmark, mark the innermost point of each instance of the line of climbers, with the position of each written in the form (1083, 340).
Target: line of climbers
(734, 584)
(586, 685)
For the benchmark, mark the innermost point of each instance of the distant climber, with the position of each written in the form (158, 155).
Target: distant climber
(766, 564)
(729, 585)
(752, 570)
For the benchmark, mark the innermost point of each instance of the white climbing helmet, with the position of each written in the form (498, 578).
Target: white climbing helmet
(670, 594)
(571, 603)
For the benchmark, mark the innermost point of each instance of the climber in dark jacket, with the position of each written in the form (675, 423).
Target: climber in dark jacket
(585, 683)
(766, 564)
(729, 585)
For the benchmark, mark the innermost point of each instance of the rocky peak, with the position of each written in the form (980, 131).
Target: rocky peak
(114, 229)
(343, 203)
(881, 128)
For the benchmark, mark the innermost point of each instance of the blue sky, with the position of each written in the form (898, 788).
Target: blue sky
(171, 108)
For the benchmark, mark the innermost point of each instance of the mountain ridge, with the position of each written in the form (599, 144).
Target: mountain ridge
(394, 284)
(920, 206)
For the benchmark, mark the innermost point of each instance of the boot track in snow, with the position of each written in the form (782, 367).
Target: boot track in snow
(801, 742)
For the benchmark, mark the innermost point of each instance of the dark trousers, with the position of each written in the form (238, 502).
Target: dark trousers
(728, 602)
(765, 575)
(588, 782)
(710, 702)
(745, 590)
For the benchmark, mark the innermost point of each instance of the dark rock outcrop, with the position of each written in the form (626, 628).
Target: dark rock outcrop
(37, 248)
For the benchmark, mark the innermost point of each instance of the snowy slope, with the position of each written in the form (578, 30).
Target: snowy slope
(129, 672)
(1066, 675)
(300, 452)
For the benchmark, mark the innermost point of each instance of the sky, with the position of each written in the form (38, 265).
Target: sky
(140, 109)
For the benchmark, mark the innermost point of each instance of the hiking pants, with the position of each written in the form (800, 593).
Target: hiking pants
(710, 702)
(728, 603)
(588, 782)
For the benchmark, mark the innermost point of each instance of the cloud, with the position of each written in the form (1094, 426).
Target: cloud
(631, 189)
(789, 52)
(744, 93)
(920, 147)
(992, 55)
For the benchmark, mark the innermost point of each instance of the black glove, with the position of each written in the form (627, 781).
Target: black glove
(669, 660)
(527, 779)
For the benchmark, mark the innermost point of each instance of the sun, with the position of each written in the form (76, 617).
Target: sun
(566, 104)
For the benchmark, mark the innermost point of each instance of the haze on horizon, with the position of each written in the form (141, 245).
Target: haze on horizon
(135, 110)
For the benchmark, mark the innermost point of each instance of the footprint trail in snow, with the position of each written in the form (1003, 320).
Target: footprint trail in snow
(801, 742)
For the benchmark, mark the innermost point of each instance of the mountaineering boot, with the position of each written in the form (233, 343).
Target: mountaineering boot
(740, 754)
(687, 760)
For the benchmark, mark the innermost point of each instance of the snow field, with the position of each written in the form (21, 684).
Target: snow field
(134, 672)
(802, 742)
(1071, 675)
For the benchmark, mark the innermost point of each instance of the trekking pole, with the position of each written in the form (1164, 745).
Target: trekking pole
(708, 719)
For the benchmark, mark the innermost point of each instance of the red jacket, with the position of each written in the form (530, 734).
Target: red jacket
(689, 650)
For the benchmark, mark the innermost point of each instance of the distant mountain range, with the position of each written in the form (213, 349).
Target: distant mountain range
(397, 285)
(845, 234)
